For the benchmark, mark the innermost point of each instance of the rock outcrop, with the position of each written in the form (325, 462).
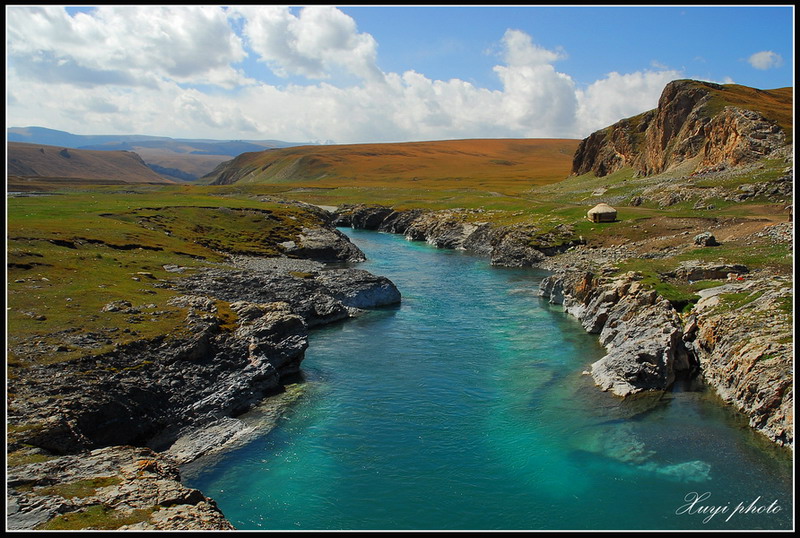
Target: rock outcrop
(750, 369)
(324, 245)
(245, 333)
(119, 487)
(641, 332)
(690, 122)
(507, 246)
(648, 343)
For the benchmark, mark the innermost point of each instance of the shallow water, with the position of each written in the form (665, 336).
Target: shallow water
(466, 408)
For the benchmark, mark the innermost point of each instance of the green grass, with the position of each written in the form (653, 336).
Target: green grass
(97, 517)
(24, 457)
(72, 253)
(740, 300)
(682, 295)
(80, 488)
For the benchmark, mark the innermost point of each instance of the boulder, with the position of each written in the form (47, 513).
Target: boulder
(705, 239)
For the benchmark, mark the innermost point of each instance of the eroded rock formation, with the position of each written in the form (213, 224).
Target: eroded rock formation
(684, 126)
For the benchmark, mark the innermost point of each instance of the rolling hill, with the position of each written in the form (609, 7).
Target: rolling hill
(179, 159)
(36, 161)
(510, 165)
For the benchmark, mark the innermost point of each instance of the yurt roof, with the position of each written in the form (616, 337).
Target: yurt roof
(602, 208)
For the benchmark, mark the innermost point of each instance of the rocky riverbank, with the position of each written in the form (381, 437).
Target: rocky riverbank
(507, 246)
(640, 330)
(245, 334)
(649, 342)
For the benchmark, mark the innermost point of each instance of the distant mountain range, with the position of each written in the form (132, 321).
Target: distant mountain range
(180, 159)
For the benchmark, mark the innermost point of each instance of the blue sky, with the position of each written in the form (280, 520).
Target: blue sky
(374, 74)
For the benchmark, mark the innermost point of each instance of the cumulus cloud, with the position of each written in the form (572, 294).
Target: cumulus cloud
(127, 45)
(120, 69)
(318, 40)
(618, 96)
(766, 59)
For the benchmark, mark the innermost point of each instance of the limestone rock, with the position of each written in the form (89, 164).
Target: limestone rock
(641, 333)
(322, 244)
(750, 369)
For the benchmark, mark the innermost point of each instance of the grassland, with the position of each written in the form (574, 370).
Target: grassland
(83, 246)
(70, 253)
(501, 165)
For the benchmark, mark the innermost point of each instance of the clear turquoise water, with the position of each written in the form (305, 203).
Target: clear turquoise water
(466, 408)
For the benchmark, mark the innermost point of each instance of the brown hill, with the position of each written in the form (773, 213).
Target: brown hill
(713, 125)
(510, 165)
(39, 161)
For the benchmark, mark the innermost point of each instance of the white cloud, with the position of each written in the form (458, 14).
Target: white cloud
(618, 96)
(766, 59)
(125, 69)
(127, 45)
(314, 43)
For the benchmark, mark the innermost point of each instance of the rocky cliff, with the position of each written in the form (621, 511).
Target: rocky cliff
(712, 125)
(750, 369)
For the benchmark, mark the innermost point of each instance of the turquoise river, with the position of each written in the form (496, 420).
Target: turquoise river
(467, 407)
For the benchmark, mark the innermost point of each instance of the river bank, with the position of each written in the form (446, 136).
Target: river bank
(262, 307)
(648, 339)
(482, 420)
(176, 397)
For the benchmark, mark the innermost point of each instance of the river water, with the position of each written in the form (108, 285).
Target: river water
(466, 407)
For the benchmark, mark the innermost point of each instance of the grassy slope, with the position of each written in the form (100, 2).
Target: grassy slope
(775, 105)
(506, 165)
(70, 254)
(53, 161)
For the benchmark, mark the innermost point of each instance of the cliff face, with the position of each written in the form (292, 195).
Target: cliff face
(648, 343)
(692, 120)
(750, 369)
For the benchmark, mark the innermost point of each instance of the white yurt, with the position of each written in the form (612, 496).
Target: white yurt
(602, 213)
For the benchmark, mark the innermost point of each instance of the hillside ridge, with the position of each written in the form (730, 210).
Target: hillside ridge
(41, 161)
(511, 163)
